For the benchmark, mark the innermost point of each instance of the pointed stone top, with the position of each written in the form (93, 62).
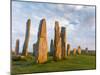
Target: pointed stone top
(51, 40)
(68, 45)
(29, 19)
(17, 39)
(79, 47)
(43, 19)
(86, 48)
(56, 23)
(42, 28)
(63, 29)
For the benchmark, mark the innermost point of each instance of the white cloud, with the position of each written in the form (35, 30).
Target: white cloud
(33, 31)
(60, 7)
(36, 17)
(78, 7)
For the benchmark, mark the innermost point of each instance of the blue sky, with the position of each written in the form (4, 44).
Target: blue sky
(79, 22)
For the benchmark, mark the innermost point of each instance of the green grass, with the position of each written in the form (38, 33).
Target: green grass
(79, 62)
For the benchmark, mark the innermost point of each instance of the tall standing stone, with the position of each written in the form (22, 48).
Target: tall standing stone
(25, 47)
(74, 51)
(63, 42)
(57, 42)
(41, 45)
(79, 50)
(51, 48)
(17, 47)
(68, 49)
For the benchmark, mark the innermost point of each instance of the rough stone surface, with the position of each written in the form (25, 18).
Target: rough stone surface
(63, 42)
(25, 47)
(74, 51)
(17, 47)
(41, 45)
(68, 49)
(79, 50)
(57, 42)
(52, 48)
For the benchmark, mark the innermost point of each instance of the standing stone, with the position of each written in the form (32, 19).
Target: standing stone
(57, 42)
(63, 42)
(41, 45)
(17, 47)
(74, 51)
(68, 49)
(79, 50)
(25, 47)
(51, 48)
(34, 49)
(86, 50)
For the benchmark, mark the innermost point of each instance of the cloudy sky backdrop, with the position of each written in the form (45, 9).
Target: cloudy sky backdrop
(79, 21)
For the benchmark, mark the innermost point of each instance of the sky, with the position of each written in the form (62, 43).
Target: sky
(79, 21)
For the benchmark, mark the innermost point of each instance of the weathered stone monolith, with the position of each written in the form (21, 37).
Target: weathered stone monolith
(52, 48)
(25, 47)
(41, 45)
(57, 42)
(68, 49)
(79, 50)
(74, 51)
(17, 47)
(63, 42)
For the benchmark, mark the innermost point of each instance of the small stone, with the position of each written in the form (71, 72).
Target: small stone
(86, 50)
(68, 49)
(74, 51)
(17, 47)
(51, 48)
(79, 50)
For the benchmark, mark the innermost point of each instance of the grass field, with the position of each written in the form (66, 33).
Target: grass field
(78, 62)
